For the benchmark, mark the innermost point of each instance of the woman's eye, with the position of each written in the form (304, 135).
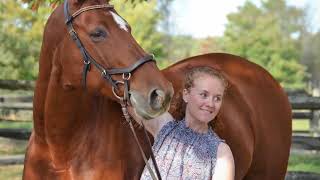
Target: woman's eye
(203, 95)
(98, 35)
(217, 99)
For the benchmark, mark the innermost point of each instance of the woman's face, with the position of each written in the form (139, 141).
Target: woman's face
(204, 98)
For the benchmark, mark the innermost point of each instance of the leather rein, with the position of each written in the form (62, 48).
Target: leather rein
(107, 75)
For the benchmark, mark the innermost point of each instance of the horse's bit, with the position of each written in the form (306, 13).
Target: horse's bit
(107, 74)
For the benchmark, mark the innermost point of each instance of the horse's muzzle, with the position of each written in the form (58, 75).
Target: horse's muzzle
(154, 104)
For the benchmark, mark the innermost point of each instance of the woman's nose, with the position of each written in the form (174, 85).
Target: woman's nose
(210, 103)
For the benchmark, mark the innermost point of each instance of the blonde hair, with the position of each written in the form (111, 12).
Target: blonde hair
(196, 72)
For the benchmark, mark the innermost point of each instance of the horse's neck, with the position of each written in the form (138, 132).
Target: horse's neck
(77, 123)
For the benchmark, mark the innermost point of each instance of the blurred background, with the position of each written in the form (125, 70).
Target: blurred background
(283, 36)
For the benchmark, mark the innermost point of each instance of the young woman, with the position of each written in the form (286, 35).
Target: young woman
(189, 148)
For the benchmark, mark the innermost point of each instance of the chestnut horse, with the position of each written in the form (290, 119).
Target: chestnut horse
(79, 133)
(255, 117)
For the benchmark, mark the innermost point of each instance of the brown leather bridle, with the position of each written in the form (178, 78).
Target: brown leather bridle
(107, 75)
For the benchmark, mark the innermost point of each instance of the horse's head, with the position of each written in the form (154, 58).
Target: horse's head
(99, 53)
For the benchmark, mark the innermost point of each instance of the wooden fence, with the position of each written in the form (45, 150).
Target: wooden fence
(304, 107)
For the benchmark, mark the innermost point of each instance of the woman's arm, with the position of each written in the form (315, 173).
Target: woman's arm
(224, 168)
(153, 126)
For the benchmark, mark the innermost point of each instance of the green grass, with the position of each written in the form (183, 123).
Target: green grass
(13, 125)
(300, 125)
(13, 172)
(15, 92)
(297, 162)
(296, 125)
(305, 162)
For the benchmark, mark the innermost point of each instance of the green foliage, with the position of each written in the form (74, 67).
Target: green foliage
(311, 55)
(7, 64)
(15, 125)
(20, 36)
(13, 172)
(35, 4)
(301, 125)
(305, 163)
(269, 36)
(22, 28)
(143, 19)
(182, 46)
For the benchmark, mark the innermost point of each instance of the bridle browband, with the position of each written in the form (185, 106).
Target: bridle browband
(107, 74)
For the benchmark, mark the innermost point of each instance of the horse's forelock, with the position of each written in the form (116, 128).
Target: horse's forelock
(76, 1)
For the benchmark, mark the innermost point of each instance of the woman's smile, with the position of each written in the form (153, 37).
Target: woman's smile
(207, 110)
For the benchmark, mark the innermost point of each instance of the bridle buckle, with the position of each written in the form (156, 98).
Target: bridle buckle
(126, 76)
(114, 90)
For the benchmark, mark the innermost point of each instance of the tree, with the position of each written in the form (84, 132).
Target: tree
(22, 28)
(165, 26)
(20, 36)
(184, 46)
(143, 18)
(269, 36)
(35, 4)
(311, 56)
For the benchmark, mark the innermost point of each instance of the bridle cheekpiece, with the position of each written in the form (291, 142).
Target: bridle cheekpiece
(88, 59)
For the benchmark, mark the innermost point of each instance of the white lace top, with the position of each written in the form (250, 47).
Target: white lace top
(182, 153)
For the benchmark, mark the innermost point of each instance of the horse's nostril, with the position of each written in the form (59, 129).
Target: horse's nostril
(157, 98)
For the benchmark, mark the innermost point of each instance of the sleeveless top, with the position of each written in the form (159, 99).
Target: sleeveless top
(182, 153)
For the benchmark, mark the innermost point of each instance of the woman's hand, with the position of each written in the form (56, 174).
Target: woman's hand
(153, 126)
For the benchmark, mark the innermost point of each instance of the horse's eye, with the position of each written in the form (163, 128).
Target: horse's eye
(98, 34)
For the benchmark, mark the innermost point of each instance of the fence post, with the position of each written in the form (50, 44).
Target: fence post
(314, 123)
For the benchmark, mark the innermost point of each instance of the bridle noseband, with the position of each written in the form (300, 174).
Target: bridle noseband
(107, 75)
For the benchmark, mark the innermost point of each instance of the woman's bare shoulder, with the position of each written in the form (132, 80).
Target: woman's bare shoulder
(224, 168)
(224, 151)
